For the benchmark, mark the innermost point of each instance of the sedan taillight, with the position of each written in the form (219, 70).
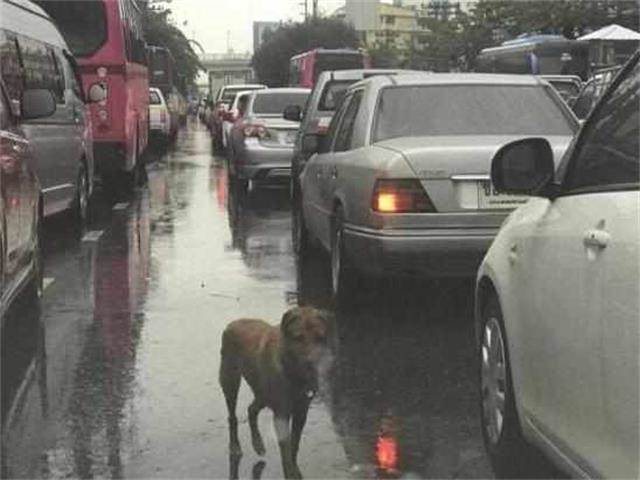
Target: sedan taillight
(400, 196)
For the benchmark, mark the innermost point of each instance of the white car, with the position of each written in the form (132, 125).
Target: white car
(557, 299)
(160, 117)
(233, 114)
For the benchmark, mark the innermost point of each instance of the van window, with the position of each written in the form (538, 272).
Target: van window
(10, 66)
(39, 67)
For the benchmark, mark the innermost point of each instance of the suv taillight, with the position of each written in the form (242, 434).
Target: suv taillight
(400, 196)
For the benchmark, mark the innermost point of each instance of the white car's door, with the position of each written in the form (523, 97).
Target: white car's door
(579, 307)
(606, 165)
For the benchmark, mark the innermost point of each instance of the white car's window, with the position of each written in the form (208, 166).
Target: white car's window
(609, 152)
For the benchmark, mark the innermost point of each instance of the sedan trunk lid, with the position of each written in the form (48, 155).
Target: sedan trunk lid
(454, 170)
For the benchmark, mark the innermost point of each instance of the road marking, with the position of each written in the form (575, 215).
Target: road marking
(121, 206)
(46, 282)
(92, 236)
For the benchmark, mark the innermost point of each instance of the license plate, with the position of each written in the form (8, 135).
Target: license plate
(490, 199)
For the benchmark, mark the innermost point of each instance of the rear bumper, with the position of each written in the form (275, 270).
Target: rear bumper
(160, 128)
(109, 157)
(256, 162)
(424, 252)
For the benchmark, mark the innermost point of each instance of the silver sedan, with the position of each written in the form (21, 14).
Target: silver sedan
(400, 185)
(262, 140)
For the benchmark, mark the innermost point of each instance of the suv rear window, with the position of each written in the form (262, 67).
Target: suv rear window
(332, 95)
(415, 111)
(275, 103)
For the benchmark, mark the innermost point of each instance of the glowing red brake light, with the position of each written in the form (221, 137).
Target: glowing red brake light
(400, 196)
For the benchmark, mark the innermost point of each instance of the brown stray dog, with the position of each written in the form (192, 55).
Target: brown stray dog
(281, 367)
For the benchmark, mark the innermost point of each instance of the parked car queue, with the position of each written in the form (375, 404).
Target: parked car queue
(399, 173)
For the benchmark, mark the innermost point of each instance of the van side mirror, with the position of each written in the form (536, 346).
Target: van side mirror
(37, 103)
(293, 113)
(524, 167)
(97, 93)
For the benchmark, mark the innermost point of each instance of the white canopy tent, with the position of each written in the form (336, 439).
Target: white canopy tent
(612, 32)
(611, 45)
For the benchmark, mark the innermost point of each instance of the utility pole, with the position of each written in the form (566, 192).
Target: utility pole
(305, 3)
(315, 9)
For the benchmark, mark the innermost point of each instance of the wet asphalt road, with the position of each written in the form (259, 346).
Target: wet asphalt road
(115, 373)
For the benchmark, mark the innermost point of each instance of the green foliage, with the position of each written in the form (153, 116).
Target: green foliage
(161, 31)
(455, 43)
(271, 60)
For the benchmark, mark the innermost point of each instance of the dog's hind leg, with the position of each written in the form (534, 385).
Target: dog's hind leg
(256, 438)
(230, 376)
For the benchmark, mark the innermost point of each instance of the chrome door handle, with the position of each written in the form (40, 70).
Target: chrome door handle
(596, 239)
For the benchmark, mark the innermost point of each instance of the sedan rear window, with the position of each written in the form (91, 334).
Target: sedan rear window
(415, 111)
(275, 103)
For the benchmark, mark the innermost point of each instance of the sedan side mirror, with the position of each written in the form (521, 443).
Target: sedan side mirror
(524, 167)
(97, 93)
(293, 113)
(37, 103)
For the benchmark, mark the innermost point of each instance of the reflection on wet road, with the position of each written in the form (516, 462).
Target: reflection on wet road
(115, 374)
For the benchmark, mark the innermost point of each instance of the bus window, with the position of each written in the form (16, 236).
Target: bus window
(86, 37)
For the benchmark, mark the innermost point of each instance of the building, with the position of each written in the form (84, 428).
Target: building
(439, 8)
(259, 29)
(381, 25)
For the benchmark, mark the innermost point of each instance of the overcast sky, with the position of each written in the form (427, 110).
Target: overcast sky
(209, 20)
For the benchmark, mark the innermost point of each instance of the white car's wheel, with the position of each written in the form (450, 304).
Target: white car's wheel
(511, 456)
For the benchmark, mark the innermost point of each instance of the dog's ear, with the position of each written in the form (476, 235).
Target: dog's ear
(287, 319)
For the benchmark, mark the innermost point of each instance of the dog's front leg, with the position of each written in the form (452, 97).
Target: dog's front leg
(300, 410)
(283, 432)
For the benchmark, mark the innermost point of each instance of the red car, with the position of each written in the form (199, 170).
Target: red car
(20, 200)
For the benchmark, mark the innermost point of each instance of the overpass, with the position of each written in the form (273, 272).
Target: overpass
(225, 68)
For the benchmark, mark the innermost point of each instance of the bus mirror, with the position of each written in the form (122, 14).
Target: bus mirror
(37, 103)
(97, 93)
(293, 113)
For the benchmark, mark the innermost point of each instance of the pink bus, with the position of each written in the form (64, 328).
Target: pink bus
(106, 37)
(305, 68)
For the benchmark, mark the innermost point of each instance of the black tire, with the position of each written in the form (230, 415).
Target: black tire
(35, 287)
(82, 199)
(299, 233)
(510, 455)
(343, 275)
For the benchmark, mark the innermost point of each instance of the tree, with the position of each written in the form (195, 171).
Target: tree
(160, 30)
(271, 60)
(455, 42)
